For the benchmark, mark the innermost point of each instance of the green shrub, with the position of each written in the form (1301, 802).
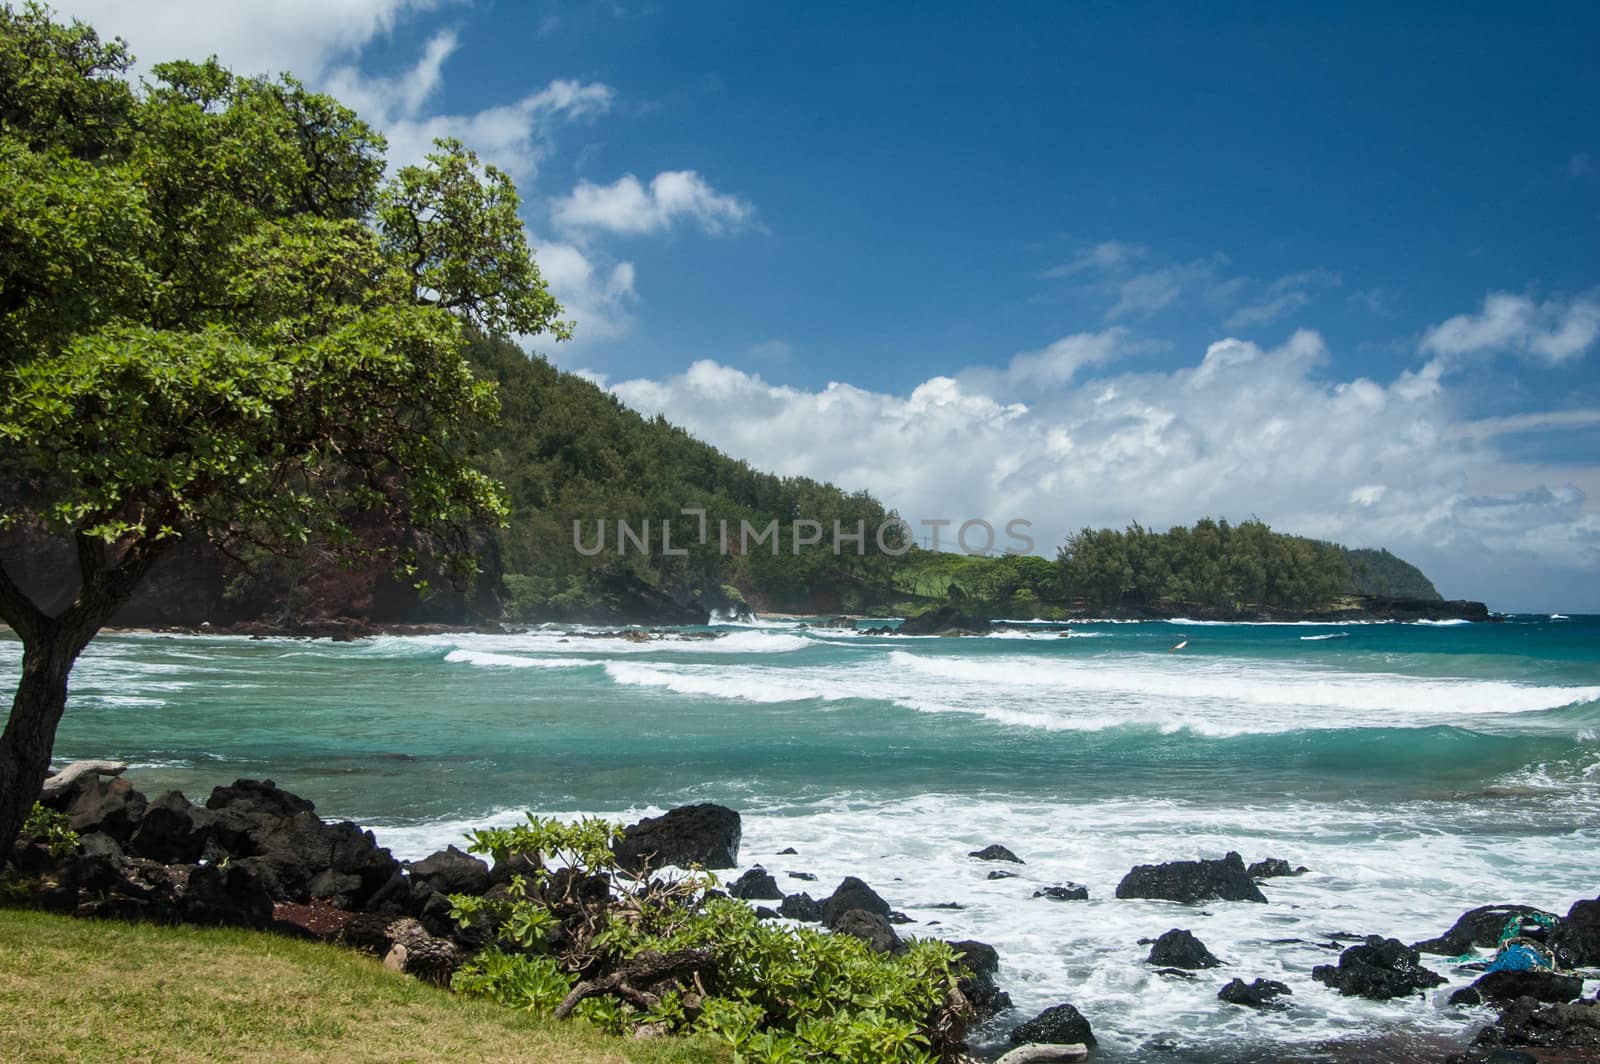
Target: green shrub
(577, 922)
(50, 828)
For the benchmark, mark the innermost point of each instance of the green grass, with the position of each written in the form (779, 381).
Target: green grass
(74, 990)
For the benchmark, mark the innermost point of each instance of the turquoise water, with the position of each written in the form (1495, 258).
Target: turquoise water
(1417, 769)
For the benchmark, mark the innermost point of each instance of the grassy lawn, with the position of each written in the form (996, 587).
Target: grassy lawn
(75, 990)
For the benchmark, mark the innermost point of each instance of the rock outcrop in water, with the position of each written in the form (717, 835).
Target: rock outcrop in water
(1273, 868)
(1179, 948)
(1576, 939)
(996, 852)
(756, 884)
(706, 834)
(1380, 969)
(1192, 881)
(1504, 987)
(946, 620)
(1058, 1024)
(850, 895)
(982, 963)
(1257, 994)
(1476, 928)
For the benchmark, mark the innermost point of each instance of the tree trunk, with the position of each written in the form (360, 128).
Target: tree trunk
(30, 733)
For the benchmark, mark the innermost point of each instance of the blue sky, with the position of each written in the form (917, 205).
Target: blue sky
(1081, 264)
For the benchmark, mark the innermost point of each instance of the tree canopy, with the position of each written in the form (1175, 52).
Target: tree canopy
(219, 318)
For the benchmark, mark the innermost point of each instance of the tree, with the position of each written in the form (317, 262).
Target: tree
(219, 320)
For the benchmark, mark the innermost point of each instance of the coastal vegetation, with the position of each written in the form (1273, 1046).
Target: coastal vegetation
(581, 936)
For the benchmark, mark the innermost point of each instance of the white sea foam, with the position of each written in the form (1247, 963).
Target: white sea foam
(512, 661)
(1453, 622)
(1329, 635)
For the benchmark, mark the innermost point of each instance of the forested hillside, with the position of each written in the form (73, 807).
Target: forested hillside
(568, 451)
(1377, 572)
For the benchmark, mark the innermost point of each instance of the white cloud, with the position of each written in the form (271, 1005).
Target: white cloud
(262, 37)
(1553, 331)
(515, 137)
(628, 207)
(1244, 430)
(599, 298)
(1104, 256)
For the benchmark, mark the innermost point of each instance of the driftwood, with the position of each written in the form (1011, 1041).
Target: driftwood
(628, 981)
(62, 781)
(1046, 1053)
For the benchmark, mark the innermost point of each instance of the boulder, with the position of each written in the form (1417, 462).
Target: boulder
(298, 855)
(449, 871)
(1551, 988)
(1259, 994)
(982, 963)
(233, 895)
(871, 928)
(851, 894)
(1064, 892)
(946, 620)
(1056, 1025)
(706, 835)
(1576, 939)
(804, 877)
(1192, 881)
(1272, 867)
(1527, 1022)
(996, 853)
(1000, 873)
(1480, 928)
(756, 884)
(107, 804)
(172, 830)
(1180, 949)
(1379, 968)
(801, 907)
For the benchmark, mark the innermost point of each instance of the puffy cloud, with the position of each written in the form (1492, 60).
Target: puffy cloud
(1244, 430)
(1553, 331)
(515, 136)
(263, 37)
(598, 297)
(628, 207)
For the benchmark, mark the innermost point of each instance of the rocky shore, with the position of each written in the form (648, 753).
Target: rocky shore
(254, 855)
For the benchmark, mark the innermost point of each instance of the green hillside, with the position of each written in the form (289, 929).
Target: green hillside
(568, 451)
(1377, 572)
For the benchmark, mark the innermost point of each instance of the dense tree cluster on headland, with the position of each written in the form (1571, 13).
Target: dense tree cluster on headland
(1216, 564)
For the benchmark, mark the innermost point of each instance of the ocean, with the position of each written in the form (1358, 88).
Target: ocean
(1417, 770)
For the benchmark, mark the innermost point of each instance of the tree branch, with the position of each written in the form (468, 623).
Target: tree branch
(18, 610)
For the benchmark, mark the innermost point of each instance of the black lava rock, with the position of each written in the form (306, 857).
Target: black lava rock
(1180, 949)
(1056, 1025)
(996, 853)
(1064, 892)
(1273, 867)
(801, 907)
(1378, 968)
(756, 883)
(851, 894)
(1259, 994)
(706, 835)
(1192, 881)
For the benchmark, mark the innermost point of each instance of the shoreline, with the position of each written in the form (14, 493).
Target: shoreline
(118, 845)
